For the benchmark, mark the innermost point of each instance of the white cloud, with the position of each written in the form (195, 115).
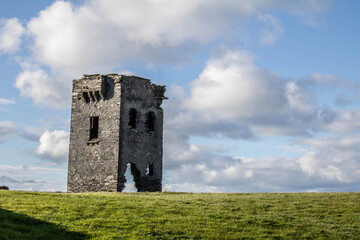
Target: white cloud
(308, 10)
(232, 91)
(324, 79)
(23, 169)
(300, 100)
(67, 37)
(7, 128)
(29, 184)
(130, 187)
(5, 179)
(32, 133)
(340, 121)
(106, 32)
(271, 31)
(308, 163)
(173, 22)
(317, 170)
(98, 36)
(4, 101)
(11, 31)
(54, 146)
(230, 94)
(31, 178)
(231, 86)
(333, 158)
(189, 187)
(234, 98)
(43, 89)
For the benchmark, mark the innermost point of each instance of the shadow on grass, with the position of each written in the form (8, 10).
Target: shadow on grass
(19, 226)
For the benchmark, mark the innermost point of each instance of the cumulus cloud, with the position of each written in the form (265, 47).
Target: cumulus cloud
(36, 83)
(231, 86)
(309, 172)
(341, 121)
(106, 32)
(182, 121)
(231, 90)
(68, 37)
(11, 31)
(54, 146)
(333, 158)
(331, 164)
(233, 98)
(7, 128)
(98, 36)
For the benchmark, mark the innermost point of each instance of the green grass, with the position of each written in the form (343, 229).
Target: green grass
(30, 215)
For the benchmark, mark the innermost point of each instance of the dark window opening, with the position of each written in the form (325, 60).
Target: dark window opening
(94, 128)
(97, 96)
(150, 122)
(92, 96)
(132, 118)
(150, 170)
(86, 97)
(108, 88)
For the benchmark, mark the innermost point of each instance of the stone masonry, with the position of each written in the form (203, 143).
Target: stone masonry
(116, 121)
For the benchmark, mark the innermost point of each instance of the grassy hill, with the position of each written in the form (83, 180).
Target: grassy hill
(30, 215)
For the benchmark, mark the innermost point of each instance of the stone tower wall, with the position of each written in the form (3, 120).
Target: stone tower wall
(139, 146)
(98, 159)
(93, 163)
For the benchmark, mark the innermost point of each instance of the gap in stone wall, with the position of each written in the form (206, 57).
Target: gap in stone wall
(130, 184)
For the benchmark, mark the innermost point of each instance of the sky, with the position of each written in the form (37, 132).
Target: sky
(264, 95)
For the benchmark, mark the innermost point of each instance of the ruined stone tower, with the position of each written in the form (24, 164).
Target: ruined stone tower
(115, 120)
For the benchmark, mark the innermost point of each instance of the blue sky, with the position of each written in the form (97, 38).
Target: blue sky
(263, 95)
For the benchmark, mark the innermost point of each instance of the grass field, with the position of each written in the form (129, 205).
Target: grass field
(30, 215)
